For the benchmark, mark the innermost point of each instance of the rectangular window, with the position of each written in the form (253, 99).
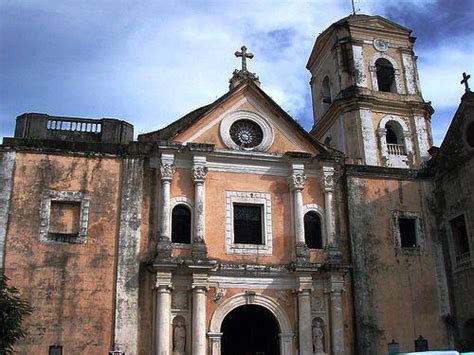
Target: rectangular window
(407, 232)
(459, 231)
(248, 224)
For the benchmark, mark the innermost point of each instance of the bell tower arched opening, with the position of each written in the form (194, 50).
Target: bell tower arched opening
(250, 329)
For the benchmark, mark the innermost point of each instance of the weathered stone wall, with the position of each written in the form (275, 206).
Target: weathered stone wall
(7, 163)
(455, 193)
(70, 285)
(396, 293)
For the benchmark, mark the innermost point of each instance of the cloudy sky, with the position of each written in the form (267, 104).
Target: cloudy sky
(151, 61)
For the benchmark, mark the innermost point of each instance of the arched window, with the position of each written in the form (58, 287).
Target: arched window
(394, 138)
(326, 92)
(312, 230)
(385, 75)
(181, 224)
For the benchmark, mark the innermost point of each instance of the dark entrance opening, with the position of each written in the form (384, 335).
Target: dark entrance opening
(250, 330)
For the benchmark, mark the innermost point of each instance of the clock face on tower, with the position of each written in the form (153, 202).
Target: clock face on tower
(380, 45)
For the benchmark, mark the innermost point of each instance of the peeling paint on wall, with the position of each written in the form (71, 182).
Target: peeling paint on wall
(7, 162)
(368, 138)
(126, 308)
(410, 73)
(359, 67)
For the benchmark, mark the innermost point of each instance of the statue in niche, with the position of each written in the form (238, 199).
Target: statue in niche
(318, 336)
(179, 339)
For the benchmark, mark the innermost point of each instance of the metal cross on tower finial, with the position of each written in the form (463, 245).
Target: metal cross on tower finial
(464, 81)
(244, 56)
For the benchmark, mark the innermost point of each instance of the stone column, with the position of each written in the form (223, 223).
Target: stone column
(199, 177)
(297, 180)
(336, 284)
(163, 313)
(304, 315)
(167, 169)
(199, 346)
(328, 182)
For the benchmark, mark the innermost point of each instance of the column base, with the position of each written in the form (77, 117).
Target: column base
(302, 253)
(199, 251)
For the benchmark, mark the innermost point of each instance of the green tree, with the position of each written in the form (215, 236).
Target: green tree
(12, 311)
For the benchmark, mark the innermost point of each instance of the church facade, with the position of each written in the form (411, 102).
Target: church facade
(235, 231)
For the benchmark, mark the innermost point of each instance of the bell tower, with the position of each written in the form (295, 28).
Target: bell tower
(366, 93)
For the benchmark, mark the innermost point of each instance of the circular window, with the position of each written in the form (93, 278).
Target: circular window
(246, 133)
(245, 130)
(470, 134)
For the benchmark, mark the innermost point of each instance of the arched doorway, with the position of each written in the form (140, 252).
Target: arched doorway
(250, 330)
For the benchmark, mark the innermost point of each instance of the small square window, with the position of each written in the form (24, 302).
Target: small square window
(64, 220)
(248, 224)
(407, 232)
(64, 216)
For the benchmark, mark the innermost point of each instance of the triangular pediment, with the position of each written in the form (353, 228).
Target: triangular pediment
(245, 119)
(377, 23)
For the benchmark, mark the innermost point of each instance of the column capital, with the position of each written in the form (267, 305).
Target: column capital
(305, 283)
(200, 281)
(297, 180)
(163, 280)
(167, 171)
(328, 178)
(199, 174)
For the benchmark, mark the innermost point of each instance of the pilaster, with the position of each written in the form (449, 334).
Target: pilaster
(305, 285)
(335, 289)
(163, 287)
(199, 286)
(199, 178)
(296, 181)
(167, 170)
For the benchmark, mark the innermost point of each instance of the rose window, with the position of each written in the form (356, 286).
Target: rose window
(246, 133)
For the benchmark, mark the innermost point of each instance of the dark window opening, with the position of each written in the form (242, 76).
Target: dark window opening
(312, 231)
(55, 350)
(459, 231)
(391, 135)
(248, 224)
(181, 225)
(407, 232)
(385, 75)
(326, 93)
(470, 134)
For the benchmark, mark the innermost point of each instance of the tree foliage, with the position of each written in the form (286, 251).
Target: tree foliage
(12, 311)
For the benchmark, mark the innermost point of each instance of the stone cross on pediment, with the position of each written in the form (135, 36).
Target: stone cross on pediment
(465, 78)
(244, 54)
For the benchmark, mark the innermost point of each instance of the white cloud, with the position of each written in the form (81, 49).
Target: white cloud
(166, 58)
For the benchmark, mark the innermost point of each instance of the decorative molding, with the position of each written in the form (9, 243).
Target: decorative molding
(297, 181)
(167, 171)
(234, 116)
(328, 178)
(257, 283)
(199, 174)
(163, 279)
(286, 333)
(256, 198)
(64, 196)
